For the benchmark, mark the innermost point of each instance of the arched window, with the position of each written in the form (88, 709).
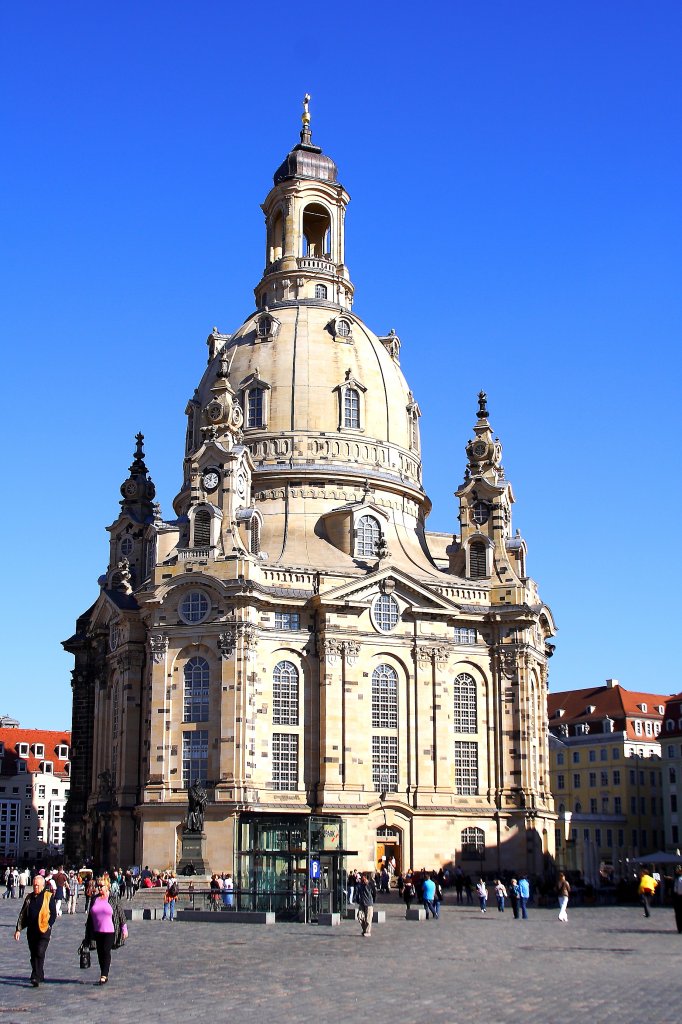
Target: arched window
(465, 712)
(316, 230)
(255, 535)
(477, 560)
(384, 698)
(320, 291)
(367, 537)
(197, 679)
(254, 409)
(578, 807)
(285, 694)
(673, 775)
(473, 843)
(351, 408)
(202, 528)
(562, 808)
(343, 328)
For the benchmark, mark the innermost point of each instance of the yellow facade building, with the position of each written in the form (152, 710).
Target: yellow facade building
(342, 681)
(605, 756)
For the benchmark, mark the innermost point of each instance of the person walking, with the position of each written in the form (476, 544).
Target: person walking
(428, 896)
(482, 893)
(37, 915)
(564, 891)
(514, 897)
(74, 892)
(365, 895)
(24, 880)
(228, 891)
(524, 896)
(647, 888)
(409, 891)
(677, 898)
(106, 926)
(500, 894)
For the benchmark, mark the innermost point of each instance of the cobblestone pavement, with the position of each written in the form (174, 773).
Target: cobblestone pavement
(606, 965)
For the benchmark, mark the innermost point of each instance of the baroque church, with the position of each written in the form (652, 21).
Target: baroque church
(343, 683)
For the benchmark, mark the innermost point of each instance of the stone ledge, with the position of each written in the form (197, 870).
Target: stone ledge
(229, 917)
(329, 920)
(140, 913)
(378, 917)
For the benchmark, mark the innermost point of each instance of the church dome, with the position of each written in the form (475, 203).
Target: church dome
(306, 162)
(319, 390)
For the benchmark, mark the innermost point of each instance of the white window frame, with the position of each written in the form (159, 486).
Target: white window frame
(187, 617)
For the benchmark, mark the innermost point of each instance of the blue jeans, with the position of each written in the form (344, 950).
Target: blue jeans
(523, 901)
(430, 908)
(170, 907)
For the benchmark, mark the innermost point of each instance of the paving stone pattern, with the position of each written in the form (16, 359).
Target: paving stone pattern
(606, 965)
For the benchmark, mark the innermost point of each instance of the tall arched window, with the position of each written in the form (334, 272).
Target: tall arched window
(255, 535)
(351, 408)
(465, 710)
(197, 678)
(367, 537)
(384, 698)
(285, 694)
(202, 528)
(477, 560)
(254, 410)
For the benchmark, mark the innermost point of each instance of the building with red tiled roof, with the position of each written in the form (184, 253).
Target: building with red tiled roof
(606, 778)
(671, 753)
(34, 787)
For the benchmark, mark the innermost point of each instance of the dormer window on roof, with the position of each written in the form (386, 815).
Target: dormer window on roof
(559, 713)
(38, 749)
(46, 766)
(590, 709)
(643, 707)
(22, 749)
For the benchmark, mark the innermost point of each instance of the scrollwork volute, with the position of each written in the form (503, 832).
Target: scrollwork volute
(158, 647)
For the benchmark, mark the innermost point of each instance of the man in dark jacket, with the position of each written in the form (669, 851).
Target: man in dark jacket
(365, 895)
(37, 915)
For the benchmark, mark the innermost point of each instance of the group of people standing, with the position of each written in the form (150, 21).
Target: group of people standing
(105, 927)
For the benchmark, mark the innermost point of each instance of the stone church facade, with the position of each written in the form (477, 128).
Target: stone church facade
(294, 637)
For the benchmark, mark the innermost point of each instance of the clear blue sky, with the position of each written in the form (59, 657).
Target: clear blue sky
(516, 216)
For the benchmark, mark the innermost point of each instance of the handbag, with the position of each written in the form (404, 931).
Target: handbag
(84, 954)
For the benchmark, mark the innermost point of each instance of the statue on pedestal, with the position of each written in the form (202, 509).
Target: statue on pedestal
(197, 800)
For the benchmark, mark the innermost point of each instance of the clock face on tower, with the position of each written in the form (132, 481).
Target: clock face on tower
(210, 480)
(131, 489)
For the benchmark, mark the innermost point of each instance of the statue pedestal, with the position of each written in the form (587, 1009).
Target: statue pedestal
(193, 852)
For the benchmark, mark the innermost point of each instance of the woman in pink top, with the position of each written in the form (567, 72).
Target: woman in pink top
(106, 927)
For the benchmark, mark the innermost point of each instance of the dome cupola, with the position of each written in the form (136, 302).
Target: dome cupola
(304, 223)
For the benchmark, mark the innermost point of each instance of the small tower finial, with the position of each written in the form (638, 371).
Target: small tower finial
(306, 135)
(482, 405)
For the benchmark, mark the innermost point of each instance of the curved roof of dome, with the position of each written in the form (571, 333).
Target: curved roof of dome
(306, 161)
(305, 364)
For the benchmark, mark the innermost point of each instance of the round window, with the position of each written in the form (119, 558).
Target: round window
(127, 546)
(386, 612)
(194, 606)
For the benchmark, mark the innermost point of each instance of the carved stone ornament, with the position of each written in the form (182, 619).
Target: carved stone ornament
(248, 633)
(351, 649)
(508, 662)
(439, 653)
(329, 648)
(226, 643)
(158, 645)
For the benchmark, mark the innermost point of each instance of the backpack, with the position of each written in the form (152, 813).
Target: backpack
(173, 890)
